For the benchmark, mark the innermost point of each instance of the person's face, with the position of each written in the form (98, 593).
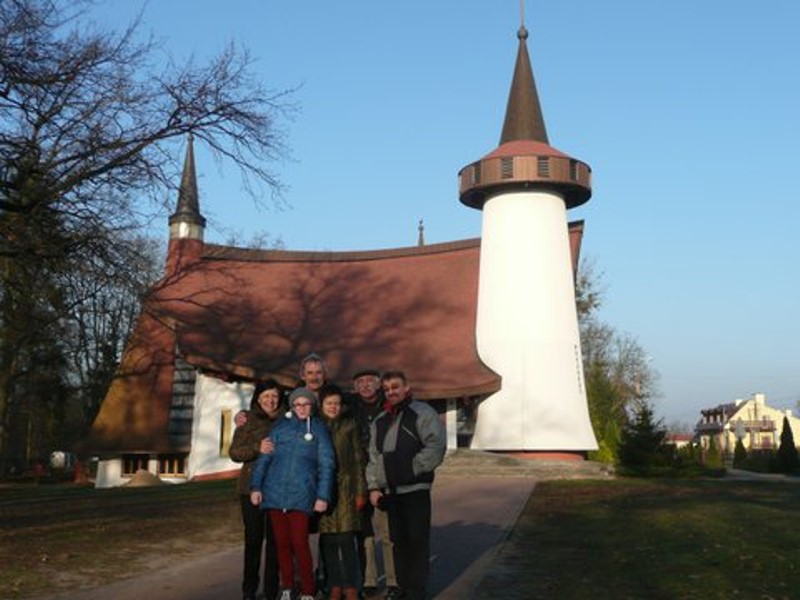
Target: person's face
(302, 407)
(332, 406)
(269, 400)
(366, 387)
(395, 390)
(313, 375)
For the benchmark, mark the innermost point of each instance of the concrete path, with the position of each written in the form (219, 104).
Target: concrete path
(471, 519)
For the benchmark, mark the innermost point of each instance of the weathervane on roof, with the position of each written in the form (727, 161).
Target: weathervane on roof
(421, 236)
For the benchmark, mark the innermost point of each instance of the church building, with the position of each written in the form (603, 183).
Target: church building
(223, 317)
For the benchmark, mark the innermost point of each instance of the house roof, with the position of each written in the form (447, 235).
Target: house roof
(254, 314)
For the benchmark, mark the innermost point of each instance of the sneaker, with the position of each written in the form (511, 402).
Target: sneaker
(306, 597)
(285, 595)
(393, 593)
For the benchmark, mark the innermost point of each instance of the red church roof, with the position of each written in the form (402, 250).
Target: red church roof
(254, 314)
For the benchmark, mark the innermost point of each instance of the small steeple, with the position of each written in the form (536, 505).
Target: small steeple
(524, 119)
(186, 221)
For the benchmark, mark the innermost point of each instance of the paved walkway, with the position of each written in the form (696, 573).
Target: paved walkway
(471, 519)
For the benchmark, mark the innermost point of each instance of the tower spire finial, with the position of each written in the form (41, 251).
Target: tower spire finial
(524, 120)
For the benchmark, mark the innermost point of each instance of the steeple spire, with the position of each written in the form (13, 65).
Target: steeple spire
(187, 221)
(524, 119)
(524, 160)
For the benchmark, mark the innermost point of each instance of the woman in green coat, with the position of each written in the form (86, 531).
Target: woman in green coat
(339, 526)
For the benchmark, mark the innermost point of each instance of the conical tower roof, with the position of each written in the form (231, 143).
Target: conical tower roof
(188, 207)
(524, 119)
(524, 159)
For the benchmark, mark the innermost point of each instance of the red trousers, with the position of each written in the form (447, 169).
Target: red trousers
(291, 538)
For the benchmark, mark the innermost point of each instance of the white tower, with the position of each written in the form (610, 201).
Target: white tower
(527, 326)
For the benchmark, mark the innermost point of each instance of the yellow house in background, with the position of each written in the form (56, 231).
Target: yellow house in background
(758, 426)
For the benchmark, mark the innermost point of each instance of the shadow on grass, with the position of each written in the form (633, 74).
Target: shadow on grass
(652, 539)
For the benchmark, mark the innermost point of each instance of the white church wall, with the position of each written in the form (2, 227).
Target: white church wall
(215, 404)
(109, 473)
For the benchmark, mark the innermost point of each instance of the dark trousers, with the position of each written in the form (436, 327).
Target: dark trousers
(258, 540)
(410, 529)
(340, 556)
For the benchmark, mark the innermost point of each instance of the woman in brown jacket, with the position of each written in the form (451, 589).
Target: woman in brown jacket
(338, 527)
(248, 442)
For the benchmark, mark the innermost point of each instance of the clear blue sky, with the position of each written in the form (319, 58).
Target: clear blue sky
(687, 111)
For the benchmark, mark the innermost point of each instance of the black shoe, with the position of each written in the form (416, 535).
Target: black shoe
(393, 593)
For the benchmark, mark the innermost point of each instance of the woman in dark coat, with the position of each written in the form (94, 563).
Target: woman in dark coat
(339, 526)
(248, 442)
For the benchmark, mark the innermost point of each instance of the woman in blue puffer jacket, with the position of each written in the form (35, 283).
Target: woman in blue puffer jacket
(292, 482)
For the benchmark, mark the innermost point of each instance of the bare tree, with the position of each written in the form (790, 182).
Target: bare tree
(100, 318)
(620, 379)
(89, 124)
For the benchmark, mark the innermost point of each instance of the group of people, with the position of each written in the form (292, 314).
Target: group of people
(325, 476)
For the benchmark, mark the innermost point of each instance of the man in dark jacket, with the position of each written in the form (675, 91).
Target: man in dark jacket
(407, 443)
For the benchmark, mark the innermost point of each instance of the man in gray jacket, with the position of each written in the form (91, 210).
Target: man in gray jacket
(407, 443)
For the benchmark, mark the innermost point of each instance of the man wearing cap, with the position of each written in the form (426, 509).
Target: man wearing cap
(407, 443)
(368, 404)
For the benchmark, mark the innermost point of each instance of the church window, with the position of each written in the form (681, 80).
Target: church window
(476, 173)
(225, 432)
(573, 170)
(543, 166)
(507, 167)
(171, 464)
(134, 462)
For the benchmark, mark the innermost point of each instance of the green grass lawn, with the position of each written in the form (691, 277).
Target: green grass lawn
(675, 539)
(626, 538)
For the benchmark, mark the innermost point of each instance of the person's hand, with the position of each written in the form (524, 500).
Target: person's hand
(240, 418)
(266, 446)
(255, 498)
(361, 502)
(375, 497)
(320, 506)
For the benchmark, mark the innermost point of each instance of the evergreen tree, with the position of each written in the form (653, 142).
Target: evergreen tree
(616, 368)
(787, 452)
(739, 455)
(641, 444)
(713, 455)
